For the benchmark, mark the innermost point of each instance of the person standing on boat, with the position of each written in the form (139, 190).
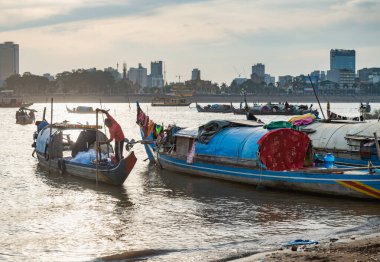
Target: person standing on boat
(115, 133)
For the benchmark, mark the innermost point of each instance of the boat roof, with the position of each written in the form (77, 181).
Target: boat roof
(25, 108)
(65, 125)
(192, 132)
(337, 135)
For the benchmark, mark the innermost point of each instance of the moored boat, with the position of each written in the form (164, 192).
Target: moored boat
(277, 109)
(81, 110)
(78, 158)
(170, 101)
(215, 108)
(245, 152)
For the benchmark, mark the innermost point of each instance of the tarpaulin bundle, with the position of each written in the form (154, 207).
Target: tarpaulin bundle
(302, 120)
(283, 149)
(278, 124)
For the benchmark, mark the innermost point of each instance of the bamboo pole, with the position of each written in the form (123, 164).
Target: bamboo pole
(97, 148)
(315, 93)
(51, 131)
(105, 129)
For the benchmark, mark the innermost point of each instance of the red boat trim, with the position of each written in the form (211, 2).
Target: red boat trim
(362, 188)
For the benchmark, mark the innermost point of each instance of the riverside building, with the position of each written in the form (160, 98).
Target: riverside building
(9, 60)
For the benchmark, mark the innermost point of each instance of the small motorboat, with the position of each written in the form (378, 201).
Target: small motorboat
(25, 116)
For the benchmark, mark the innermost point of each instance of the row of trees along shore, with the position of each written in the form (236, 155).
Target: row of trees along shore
(102, 82)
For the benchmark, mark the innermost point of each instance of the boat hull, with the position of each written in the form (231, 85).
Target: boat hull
(211, 110)
(24, 120)
(356, 186)
(168, 104)
(113, 176)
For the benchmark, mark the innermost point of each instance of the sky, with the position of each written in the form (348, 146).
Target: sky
(221, 38)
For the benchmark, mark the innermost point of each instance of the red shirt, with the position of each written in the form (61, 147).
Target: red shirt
(115, 130)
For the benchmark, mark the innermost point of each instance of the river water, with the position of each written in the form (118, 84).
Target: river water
(163, 215)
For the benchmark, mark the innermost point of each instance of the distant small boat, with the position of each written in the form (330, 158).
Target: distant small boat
(25, 116)
(81, 110)
(277, 109)
(78, 158)
(170, 101)
(215, 108)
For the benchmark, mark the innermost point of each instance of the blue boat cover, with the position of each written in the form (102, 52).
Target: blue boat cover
(233, 142)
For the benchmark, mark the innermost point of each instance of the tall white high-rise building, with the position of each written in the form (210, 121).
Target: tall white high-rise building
(138, 76)
(9, 60)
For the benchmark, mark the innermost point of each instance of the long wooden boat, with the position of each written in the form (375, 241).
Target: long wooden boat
(281, 109)
(81, 110)
(61, 154)
(170, 101)
(245, 152)
(215, 108)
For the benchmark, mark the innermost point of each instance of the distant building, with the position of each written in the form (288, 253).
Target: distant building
(258, 73)
(365, 73)
(269, 80)
(196, 74)
(138, 76)
(316, 74)
(342, 68)
(374, 79)
(346, 79)
(199, 86)
(322, 76)
(156, 78)
(284, 81)
(342, 59)
(9, 60)
(259, 70)
(124, 71)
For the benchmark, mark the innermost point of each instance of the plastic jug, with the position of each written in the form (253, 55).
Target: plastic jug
(329, 160)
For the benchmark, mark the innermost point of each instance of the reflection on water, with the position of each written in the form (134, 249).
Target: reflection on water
(156, 214)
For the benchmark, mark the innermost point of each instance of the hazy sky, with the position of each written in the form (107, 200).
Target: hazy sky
(221, 38)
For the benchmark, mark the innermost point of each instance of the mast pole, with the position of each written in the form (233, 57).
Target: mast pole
(315, 93)
(97, 148)
(51, 131)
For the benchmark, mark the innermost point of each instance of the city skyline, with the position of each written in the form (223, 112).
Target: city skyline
(223, 39)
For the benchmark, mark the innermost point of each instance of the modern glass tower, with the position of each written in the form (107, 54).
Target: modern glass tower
(342, 59)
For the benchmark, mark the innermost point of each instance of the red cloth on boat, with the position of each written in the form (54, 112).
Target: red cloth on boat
(283, 149)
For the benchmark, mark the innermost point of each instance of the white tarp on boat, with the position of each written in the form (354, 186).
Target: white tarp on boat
(342, 136)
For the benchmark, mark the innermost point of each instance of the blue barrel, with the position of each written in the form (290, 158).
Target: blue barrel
(329, 160)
